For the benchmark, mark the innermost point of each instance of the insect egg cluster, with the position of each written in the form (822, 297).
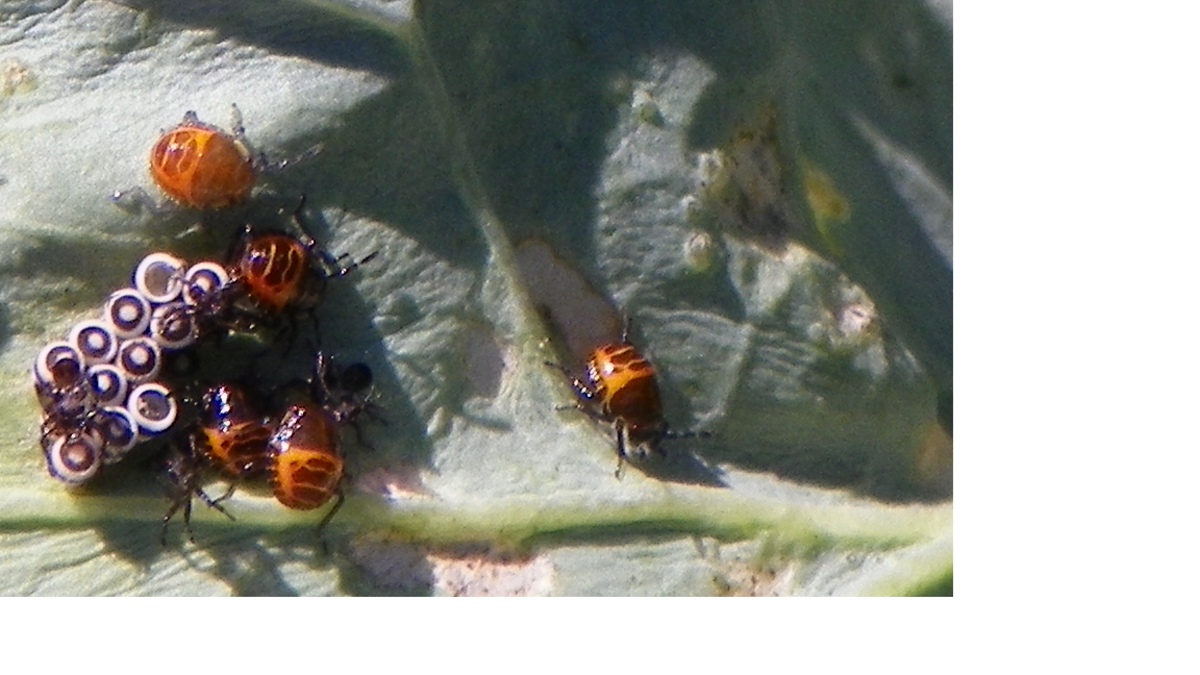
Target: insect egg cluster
(100, 389)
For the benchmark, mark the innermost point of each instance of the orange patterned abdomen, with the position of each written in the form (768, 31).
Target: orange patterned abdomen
(274, 269)
(202, 168)
(306, 465)
(628, 387)
(233, 435)
(237, 451)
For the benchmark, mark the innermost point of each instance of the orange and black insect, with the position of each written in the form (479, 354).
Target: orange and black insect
(203, 166)
(307, 464)
(306, 459)
(232, 433)
(278, 272)
(269, 278)
(275, 269)
(621, 388)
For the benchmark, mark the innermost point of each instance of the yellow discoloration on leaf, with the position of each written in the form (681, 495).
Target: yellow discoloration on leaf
(745, 183)
(829, 207)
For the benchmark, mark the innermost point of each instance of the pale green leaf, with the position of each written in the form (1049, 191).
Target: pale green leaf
(763, 187)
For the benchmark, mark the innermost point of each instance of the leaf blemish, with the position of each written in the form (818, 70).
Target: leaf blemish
(744, 185)
(578, 315)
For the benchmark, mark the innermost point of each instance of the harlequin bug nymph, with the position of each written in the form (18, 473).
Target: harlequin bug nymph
(306, 458)
(621, 388)
(202, 166)
(233, 432)
(269, 278)
(230, 435)
(274, 275)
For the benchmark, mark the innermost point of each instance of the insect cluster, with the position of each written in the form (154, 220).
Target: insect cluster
(110, 385)
(290, 438)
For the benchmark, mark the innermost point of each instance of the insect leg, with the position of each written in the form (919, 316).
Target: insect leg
(134, 197)
(620, 428)
(341, 497)
(582, 389)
